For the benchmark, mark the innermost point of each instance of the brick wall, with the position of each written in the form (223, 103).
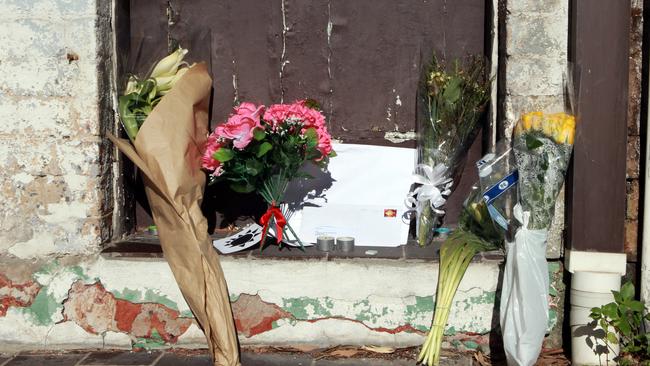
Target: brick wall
(53, 86)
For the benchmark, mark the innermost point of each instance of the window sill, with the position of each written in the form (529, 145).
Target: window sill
(148, 246)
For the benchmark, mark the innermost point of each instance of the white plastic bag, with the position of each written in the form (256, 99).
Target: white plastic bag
(524, 295)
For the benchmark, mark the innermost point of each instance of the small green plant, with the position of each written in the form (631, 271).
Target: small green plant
(627, 317)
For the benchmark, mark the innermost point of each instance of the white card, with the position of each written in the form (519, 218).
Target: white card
(246, 238)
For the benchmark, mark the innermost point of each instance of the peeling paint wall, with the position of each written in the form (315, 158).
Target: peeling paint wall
(53, 181)
(56, 187)
(114, 304)
(533, 61)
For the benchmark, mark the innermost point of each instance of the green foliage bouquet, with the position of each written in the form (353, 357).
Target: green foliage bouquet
(451, 102)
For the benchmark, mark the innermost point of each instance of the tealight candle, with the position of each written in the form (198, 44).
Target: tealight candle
(345, 243)
(325, 243)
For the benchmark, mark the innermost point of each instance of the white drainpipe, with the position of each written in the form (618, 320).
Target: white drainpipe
(594, 276)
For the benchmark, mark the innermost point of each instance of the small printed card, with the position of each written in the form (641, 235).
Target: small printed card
(246, 238)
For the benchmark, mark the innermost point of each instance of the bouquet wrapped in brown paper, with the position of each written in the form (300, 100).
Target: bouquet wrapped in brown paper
(167, 149)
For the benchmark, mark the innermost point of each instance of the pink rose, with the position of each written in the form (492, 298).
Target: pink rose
(311, 117)
(276, 114)
(246, 108)
(211, 146)
(217, 172)
(324, 141)
(240, 126)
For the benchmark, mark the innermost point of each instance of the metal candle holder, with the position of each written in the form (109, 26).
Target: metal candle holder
(325, 243)
(345, 243)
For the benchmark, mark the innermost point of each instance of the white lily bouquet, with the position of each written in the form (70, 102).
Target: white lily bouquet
(165, 116)
(143, 94)
(451, 101)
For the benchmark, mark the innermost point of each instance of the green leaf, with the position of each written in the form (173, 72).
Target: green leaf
(303, 175)
(603, 323)
(617, 296)
(223, 155)
(332, 154)
(610, 310)
(313, 104)
(242, 187)
(263, 149)
(595, 313)
(311, 133)
(129, 121)
(627, 290)
(624, 328)
(147, 87)
(452, 90)
(532, 142)
(146, 110)
(259, 134)
(253, 167)
(611, 338)
(312, 154)
(636, 306)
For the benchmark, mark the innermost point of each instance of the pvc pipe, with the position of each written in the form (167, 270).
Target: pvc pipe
(588, 290)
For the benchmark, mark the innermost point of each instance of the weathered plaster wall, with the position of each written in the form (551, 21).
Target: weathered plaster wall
(55, 184)
(113, 303)
(55, 199)
(533, 60)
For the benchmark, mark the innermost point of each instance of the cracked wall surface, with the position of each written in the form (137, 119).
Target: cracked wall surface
(112, 304)
(55, 166)
(533, 62)
(56, 187)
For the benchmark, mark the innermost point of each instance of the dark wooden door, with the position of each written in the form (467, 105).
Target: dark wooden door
(360, 59)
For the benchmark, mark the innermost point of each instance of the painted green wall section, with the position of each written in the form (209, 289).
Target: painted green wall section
(43, 308)
(471, 308)
(136, 296)
(305, 308)
(421, 310)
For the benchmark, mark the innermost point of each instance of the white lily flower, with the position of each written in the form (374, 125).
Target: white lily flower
(165, 83)
(131, 86)
(169, 65)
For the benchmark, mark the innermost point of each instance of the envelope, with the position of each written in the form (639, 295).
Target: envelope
(361, 195)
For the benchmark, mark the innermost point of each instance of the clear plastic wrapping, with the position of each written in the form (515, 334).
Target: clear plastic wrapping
(498, 177)
(450, 102)
(542, 146)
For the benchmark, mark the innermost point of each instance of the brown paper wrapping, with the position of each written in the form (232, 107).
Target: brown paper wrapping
(168, 152)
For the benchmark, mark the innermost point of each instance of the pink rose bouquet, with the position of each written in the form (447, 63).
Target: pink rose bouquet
(261, 149)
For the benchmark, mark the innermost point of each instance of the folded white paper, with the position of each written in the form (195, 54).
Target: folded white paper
(362, 196)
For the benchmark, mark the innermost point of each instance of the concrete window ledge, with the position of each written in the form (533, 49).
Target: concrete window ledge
(147, 246)
(287, 296)
(127, 297)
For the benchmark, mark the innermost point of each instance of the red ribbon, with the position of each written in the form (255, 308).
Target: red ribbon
(280, 222)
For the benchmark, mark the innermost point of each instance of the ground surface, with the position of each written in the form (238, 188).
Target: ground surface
(337, 356)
